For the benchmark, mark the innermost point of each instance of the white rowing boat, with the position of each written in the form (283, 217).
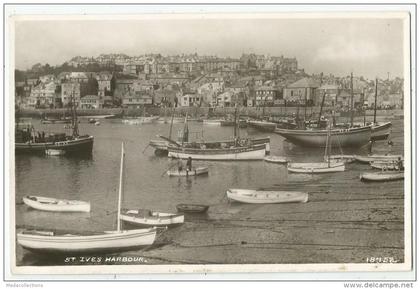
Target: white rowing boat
(56, 205)
(266, 197)
(150, 218)
(276, 159)
(387, 165)
(376, 157)
(316, 168)
(185, 173)
(382, 176)
(46, 241)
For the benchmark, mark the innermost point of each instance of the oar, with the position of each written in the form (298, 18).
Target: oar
(145, 148)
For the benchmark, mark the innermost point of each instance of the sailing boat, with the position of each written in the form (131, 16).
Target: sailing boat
(28, 141)
(236, 149)
(327, 166)
(109, 241)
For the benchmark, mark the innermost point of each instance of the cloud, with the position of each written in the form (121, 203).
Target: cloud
(341, 49)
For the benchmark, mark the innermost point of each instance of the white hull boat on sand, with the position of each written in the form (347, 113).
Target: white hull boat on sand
(56, 205)
(316, 168)
(110, 241)
(373, 158)
(276, 159)
(266, 197)
(186, 173)
(382, 176)
(149, 218)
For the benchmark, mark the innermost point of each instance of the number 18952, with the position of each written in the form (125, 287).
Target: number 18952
(381, 260)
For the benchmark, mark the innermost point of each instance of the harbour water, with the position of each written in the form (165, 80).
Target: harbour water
(345, 220)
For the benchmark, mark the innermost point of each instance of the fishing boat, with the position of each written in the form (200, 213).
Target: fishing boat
(192, 208)
(149, 218)
(377, 157)
(351, 137)
(250, 152)
(56, 205)
(186, 173)
(262, 125)
(322, 167)
(53, 152)
(382, 176)
(266, 197)
(387, 165)
(276, 159)
(109, 241)
(27, 140)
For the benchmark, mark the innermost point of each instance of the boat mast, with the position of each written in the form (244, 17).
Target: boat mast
(327, 147)
(322, 104)
(235, 128)
(172, 122)
(376, 97)
(351, 100)
(74, 116)
(120, 188)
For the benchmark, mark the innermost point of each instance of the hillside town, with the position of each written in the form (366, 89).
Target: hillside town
(118, 80)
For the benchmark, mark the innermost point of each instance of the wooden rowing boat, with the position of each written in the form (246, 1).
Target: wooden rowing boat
(382, 176)
(316, 168)
(387, 165)
(376, 157)
(150, 218)
(186, 173)
(56, 205)
(266, 197)
(192, 208)
(276, 159)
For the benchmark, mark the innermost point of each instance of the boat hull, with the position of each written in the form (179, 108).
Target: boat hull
(316, 168)
(158, 219)
(55, 205)
(266, 197)
(354, 137)
(276, 159)
(263, 125)
(381, 131)
(81, 145)
(192, 208)
(184, 173)
(228, 154)
(381, 177)
(106, 242)
(373, 158)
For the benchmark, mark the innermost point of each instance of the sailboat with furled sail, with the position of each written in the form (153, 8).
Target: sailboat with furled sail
(108, 241)
(237, 149)
(327, 166)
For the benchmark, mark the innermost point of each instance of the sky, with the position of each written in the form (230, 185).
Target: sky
(367, 47)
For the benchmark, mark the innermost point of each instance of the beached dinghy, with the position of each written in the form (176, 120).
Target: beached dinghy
(56, 205)
(376, 157)
(266, 197)
(276, 159)
(192, 208)
(327, 166)
(149, 218)
(186, 173)
(382, 176)
(109, 241)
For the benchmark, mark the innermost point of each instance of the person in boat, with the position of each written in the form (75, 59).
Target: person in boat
(189, 164)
